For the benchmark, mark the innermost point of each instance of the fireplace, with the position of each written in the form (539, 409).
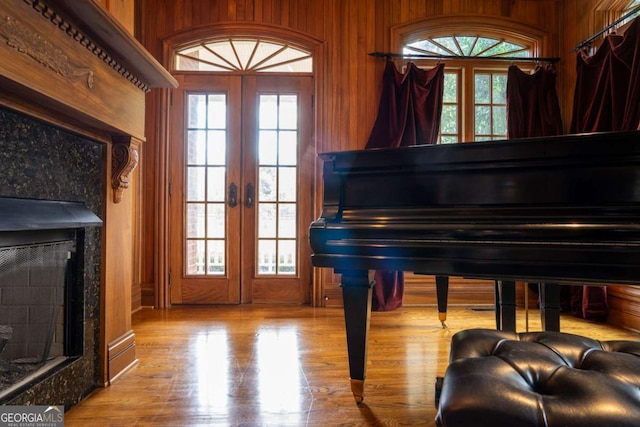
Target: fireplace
(41, 289)
(51, 192)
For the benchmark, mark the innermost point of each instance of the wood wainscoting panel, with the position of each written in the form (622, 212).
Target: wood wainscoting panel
(122, 355)
(624, 306)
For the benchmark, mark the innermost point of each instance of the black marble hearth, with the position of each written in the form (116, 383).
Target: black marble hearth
(39, 161)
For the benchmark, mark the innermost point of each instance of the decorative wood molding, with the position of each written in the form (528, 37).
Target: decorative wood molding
(124, 159)
(32, 44)
(85, 41)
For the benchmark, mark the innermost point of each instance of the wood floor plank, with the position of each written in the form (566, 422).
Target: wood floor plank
(274, 365)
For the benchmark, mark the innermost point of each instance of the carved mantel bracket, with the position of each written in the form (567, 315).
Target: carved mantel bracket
(124, 159)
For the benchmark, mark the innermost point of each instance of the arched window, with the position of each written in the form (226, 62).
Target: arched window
(243, 55)
(475, 87)
(485, 86)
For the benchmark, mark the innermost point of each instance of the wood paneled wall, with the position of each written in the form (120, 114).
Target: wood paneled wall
(349, 94)
(351, 30)
(122, 10)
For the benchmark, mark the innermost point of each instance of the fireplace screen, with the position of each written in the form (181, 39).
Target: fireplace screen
(33, 308)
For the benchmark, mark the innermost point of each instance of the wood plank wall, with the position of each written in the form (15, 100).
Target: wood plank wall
(350, 93)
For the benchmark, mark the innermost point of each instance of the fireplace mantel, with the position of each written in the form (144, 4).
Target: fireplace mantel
(72, 65)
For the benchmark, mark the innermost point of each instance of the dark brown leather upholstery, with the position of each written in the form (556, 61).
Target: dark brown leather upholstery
(499, 378)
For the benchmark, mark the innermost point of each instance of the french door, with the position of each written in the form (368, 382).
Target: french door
(241, 160)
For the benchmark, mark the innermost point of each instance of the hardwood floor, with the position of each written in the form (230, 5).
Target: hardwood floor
(265, 365)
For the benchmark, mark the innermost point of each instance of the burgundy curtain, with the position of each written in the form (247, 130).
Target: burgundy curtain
(410, 107)
(532, 103)
(607, 91)
(408, 114)
(606, 98)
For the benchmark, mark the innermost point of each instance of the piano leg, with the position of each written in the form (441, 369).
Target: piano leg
(550, 306)
(506, 304)
(356, 295)
(496, 299)
(442, 293)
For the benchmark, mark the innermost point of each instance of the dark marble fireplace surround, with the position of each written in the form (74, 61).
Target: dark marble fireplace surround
(39, 161)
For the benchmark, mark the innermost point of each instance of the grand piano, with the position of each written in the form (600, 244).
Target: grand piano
(552, 210)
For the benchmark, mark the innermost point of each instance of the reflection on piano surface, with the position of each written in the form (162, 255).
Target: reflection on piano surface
(552, 210)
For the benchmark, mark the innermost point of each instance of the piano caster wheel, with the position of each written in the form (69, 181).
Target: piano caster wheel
(357, 388)
(442, 316)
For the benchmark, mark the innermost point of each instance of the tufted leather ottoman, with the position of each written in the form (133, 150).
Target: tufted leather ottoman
(499, 378)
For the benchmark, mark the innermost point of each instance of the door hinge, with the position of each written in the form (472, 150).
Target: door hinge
(170, 189)
(170, 98)
(169, 279)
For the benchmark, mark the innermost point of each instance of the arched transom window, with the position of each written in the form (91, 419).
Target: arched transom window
(243, 55)
(464, 46)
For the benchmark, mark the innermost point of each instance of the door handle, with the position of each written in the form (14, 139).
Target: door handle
(248, 195)
(233, 195)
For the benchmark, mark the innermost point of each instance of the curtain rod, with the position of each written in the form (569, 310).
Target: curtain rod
(587, 42)
(483, 58)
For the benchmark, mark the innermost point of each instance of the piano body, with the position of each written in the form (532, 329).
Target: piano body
(552, 210)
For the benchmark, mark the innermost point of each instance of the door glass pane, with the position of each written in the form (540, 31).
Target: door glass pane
(195, 220)
(195, 183)
(268, 112)
(268, 182)
(266, 256)
(215, 249)
(277, 187)
(196, 144)
(195, 257)
(217, 147)
(216, 184)
(206, 139)
(287, 148)
(287, 220)
(217, 112)
(288, 112)
(215, 220)
(286, 257)
(287, 185)
(268, 149)
(197, 108)
(267, 224)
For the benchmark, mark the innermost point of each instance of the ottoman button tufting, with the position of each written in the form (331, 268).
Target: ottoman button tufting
(499, 378)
